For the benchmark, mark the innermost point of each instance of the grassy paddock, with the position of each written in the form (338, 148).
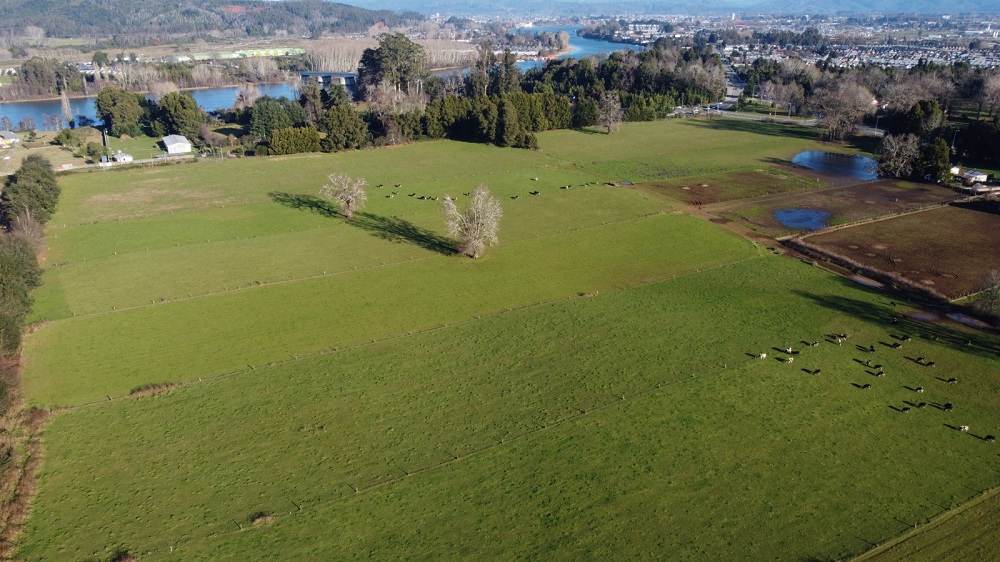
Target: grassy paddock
(586, 390)
(711, 454)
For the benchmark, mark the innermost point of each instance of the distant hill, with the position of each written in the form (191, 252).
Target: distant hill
(150, 18)
(530, 8)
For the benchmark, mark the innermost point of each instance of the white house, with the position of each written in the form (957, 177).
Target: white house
(122, 158)
(176, 144)
(973, 176)
(9, 138)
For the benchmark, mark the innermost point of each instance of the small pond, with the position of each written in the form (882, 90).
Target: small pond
(810, 219)
(844, 165)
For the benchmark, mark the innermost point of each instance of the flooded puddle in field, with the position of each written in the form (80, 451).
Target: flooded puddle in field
(844, 165)
(809, 219)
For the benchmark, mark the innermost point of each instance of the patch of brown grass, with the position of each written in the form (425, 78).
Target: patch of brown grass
(20, 457)
(153, 389)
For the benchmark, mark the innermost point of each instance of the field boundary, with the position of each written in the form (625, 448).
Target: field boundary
(860, 222)
(939, 520)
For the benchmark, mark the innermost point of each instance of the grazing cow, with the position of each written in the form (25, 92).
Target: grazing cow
(963, 428)
(906, 338)
(879, 367)
(905, 409)
(880, 374)
(952, 380)
(761, 356)
(948, 407)
(930, 363)
(920, 360)
(789, 359)
(534, 192)
(922, 405)
(920, 389)
(840, 340)
(868, 362)
(398, 184)
(897, 345)
(515, 197)
(871, 349)
(866, 387)
(990, 438)
(815, 343)
(817, 371)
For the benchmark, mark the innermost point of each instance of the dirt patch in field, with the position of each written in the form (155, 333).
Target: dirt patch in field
(728, 187)
(144, 201)
(864, 201)
(949, 248)
(147, 194)
(153, 389)
(261, 519)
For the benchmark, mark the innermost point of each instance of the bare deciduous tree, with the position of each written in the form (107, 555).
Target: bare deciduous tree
(990, 287)
(476, 225)
(159, 89)
(842, 102)
(30, 229)
(898, 154)
(991, 92)
(247, 95)
(348, 192)
(609, 112)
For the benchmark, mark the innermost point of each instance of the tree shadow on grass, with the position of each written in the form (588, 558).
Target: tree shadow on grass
(395, 229)
(305, 203)
(759, 128)
(984, 343)
(392, 229)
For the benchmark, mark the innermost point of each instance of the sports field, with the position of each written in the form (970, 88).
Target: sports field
(588, 389)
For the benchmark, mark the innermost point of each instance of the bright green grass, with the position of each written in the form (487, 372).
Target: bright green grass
(683, 148)
(86, 358)
(371, 372)
(710, 455)
(167, 257)
(141, 147)
(422, 168)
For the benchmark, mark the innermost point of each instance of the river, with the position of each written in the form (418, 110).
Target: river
(579, 47)
(207, 98)
(223, 98)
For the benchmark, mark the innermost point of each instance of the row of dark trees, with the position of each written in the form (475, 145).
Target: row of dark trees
(28, 201)
(493, 102)
(127, 113)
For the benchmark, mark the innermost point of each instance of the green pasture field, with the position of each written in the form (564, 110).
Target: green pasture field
(961, 534)
(632, 423)
(585, 390)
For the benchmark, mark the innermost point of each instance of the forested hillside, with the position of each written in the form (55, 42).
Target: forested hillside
(141, 21)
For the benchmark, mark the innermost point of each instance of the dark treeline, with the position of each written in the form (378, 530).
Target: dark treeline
(811, 37)
(28, 201)
(142, 22)
(494, 102)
